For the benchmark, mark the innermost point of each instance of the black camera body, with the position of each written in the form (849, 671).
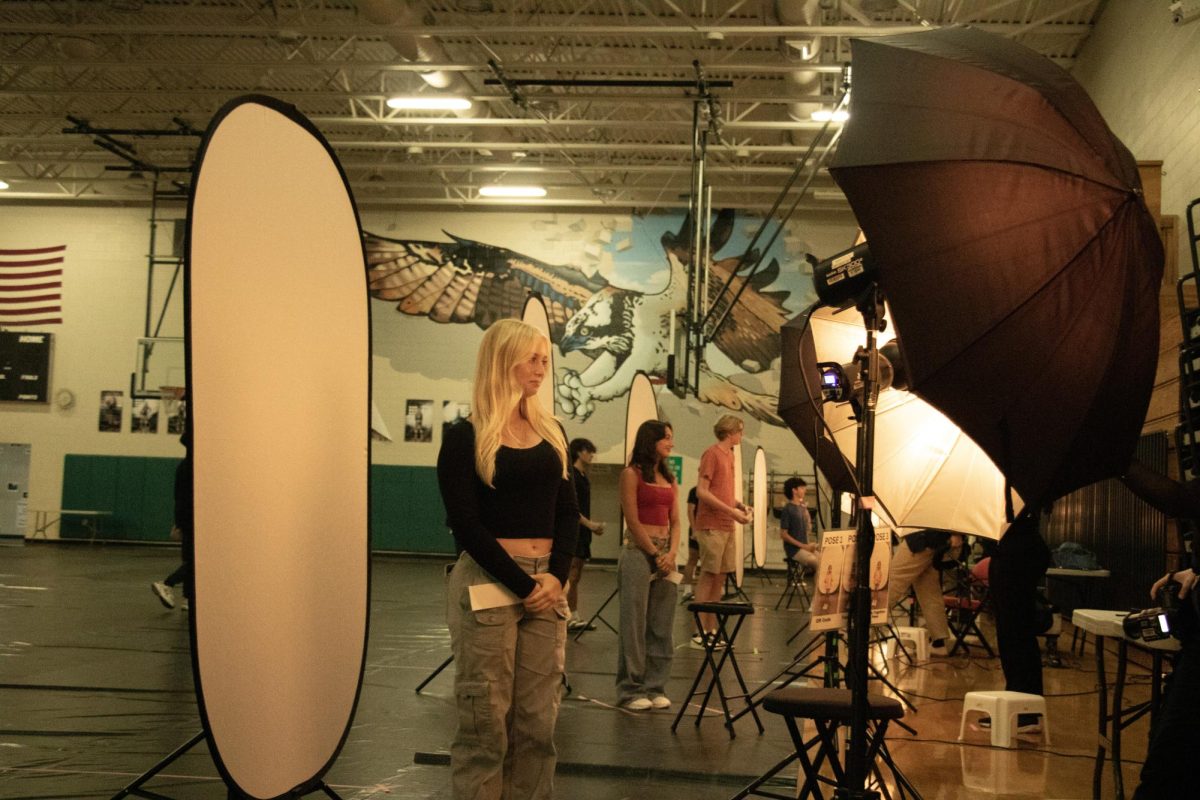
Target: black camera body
(1170, 618)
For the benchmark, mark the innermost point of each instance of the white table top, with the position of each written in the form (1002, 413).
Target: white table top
(1078, 573)
(1108, 623)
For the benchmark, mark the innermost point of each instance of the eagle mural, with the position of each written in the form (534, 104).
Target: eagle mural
(622, 330)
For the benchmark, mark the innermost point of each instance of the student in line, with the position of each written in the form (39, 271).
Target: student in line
(650, 506)
(505, 481)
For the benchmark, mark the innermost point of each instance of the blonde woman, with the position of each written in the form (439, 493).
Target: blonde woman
(510, 504)
(650, 506)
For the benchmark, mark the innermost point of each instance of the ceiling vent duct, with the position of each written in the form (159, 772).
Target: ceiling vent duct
(806, 50)
(417, 49)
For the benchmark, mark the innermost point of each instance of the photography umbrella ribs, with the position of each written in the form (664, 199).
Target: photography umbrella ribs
(927, 472)
(1015, 250)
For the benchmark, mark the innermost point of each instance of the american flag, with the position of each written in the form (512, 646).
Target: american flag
(31, 286)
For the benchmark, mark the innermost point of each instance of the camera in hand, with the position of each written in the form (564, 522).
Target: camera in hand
(1170, 618)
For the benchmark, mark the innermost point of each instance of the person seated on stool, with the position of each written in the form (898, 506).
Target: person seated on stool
(913, 566)
(716, 519)
(795, 524)
(1175, 734)
(645, 570)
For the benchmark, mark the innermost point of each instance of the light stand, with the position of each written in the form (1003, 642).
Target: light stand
(870, 305)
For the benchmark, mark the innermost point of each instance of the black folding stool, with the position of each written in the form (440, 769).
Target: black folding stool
(712, 664)
(830, 709)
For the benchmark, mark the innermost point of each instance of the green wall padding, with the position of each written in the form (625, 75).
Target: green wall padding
(407, 512)
(138, 493)
(406, 508)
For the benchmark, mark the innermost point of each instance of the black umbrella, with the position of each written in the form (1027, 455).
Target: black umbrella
(1015, 250)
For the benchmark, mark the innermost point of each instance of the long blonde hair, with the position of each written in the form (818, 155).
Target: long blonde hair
(496, 393)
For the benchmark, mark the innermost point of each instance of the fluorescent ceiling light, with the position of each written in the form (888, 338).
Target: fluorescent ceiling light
(512, 191)
(429, 103)
(3, 185)
(824, 115)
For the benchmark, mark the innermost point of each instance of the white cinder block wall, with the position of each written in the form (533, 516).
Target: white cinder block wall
(1143, 72)
(104, 306)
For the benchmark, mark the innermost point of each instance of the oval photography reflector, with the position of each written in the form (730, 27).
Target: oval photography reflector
(535, 315)
(279, 358)
(641, 407)
(761, 506)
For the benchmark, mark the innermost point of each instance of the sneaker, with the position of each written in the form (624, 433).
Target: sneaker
(688, 596)
(937, 647)
(984, 723)
(660, 701)
(576, 623)
(164, 593)
(638, 704)
(700, 641)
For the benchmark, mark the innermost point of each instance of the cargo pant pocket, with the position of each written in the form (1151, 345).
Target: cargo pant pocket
(475, 717)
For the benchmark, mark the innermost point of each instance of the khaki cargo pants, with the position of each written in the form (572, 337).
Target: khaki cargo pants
(508, 685)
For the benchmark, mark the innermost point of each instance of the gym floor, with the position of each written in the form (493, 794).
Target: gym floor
(95, 689)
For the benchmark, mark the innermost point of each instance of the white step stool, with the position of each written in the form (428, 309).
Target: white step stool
(1003, 708)
(916, 642)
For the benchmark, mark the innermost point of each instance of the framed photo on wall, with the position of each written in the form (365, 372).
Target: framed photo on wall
(144, 417)
(418, 421)
(452, 412)
(112, 405)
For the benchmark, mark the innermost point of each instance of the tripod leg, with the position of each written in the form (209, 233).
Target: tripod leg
(134, 787)
(597, 616)
(434, 674)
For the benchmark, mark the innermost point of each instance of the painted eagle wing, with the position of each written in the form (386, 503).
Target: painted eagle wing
(721, 391)
(468, 281)
(750, 336)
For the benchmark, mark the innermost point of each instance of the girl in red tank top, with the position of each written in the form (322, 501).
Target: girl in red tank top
(646, 576)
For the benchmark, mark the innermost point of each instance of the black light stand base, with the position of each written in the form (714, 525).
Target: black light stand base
(434, 674)
(591, 623)
(319, 786)
(136, 789)
(855, 794)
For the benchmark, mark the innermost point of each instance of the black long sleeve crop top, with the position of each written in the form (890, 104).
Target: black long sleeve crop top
(531, 500)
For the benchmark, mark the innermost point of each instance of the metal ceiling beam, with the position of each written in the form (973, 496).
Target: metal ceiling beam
(490, 32)
(523, 69)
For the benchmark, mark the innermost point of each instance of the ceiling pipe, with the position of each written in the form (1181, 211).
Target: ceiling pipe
(807, 50)
(417, 49)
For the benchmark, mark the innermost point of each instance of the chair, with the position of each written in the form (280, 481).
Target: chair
(1003, 708)
(712, 664)
(964, 605)
(829, 709)
(794, 587)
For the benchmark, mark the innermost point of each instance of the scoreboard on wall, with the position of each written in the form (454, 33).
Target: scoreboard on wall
(25, 366)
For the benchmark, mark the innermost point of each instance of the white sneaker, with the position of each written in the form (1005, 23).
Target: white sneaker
(638, 704)
(164, 593)
(660, 701)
